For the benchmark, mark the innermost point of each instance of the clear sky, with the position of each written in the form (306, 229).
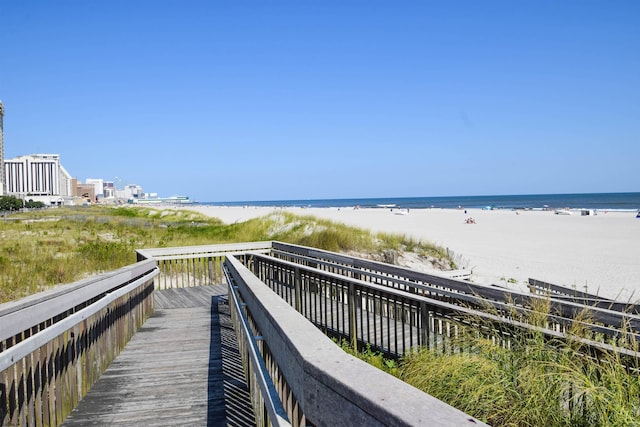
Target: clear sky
(262, 100)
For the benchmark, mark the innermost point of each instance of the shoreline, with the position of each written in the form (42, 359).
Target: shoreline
(573, 209)
(597, 253)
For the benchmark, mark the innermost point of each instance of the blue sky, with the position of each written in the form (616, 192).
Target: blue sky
(256, 100)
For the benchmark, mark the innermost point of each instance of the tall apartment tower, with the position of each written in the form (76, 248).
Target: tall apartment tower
(2, 177)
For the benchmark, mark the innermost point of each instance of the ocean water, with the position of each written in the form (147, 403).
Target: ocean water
(600, 201)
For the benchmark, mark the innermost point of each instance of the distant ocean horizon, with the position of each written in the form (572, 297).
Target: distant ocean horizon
(599, 201)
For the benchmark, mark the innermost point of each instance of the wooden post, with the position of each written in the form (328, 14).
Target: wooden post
(37, 387)
(298, 291)
(353, 330)
(424, 324)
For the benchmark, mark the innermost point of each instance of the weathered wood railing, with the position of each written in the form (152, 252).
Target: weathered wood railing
(393, 309)
(567, 294)
(310, 392)
(186, 266)
(608, 319)
(190, 266)
(393, 320)
(54, 345)
(319, 383)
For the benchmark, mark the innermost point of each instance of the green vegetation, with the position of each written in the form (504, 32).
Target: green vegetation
(535, 382)
(373, 358)
(10, 203)
(42, 248)
(30, 204)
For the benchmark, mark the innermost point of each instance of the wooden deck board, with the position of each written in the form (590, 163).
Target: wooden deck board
(181, 368)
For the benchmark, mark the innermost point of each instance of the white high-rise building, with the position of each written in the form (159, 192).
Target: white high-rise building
(37, 175)
(2, 176)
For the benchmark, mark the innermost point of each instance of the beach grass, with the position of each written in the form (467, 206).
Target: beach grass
(534, 382)
(43, 248)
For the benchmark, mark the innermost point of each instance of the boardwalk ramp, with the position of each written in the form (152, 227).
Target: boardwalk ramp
(181, 368)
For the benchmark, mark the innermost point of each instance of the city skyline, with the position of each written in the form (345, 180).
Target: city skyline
(228, 102)
(43, 176)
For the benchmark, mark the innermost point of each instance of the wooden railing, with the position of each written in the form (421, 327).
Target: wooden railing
(295, 358)
(393, 309)
(286, 301)
(187, 266)
(318, 383)
(396, 319)
(607, 318)
(54, 345)
(584, 298)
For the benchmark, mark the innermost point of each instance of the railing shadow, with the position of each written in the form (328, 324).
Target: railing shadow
(228, 399)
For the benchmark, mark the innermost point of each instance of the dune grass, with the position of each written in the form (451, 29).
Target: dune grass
(39, 249)
(535, 382)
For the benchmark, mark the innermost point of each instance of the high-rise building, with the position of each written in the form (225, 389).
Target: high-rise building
(37, 175)
(2, 177)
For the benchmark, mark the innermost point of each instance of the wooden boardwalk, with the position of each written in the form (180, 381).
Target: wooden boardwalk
(181, 368)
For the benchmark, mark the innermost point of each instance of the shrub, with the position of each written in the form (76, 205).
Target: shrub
(10, 203)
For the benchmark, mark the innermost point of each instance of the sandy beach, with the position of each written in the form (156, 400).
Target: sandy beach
(599, 254)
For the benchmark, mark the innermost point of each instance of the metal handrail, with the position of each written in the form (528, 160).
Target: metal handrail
(271, 400)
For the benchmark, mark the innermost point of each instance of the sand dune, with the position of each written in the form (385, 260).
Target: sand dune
(598, 253)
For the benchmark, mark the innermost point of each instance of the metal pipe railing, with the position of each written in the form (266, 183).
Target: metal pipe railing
(267, 404)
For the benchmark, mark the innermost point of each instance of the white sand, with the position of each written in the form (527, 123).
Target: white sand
(598, 253)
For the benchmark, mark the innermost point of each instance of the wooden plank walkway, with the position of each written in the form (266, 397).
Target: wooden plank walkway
(181, 368)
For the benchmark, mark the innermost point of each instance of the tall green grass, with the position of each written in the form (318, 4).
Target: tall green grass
(537, 381)
(39, 249)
